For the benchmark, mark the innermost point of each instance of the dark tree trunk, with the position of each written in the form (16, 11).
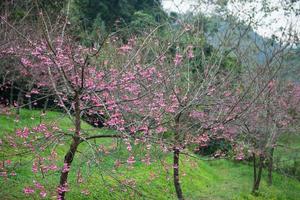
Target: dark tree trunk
(30, 103)
(176, 174)
(176, 159)
(46, 105)
(11, 95)
(44, 109)
(68, 161)
(72, 150)
(254, 170)
(19, 103)
(270, 166)
(259, 174)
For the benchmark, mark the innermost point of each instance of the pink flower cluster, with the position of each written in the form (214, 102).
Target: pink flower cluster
(131, 160)
(178, 59)
(65, 168)
(23, 133)
(61, 189)
(190, 53)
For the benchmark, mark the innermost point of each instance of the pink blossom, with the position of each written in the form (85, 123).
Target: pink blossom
(177, 59)
(38, 185)
(203, 140)
(197, 114)
(13, 173)
(16, 104)
(240, 156)
(85, 192)
(160, 129)
(8, 162)
(144, 128)
(129, 147)
(132, 129)
(40, 128)
(3, 174)
(28, 190)
(271, 84)
(174, 104)
(227, 93)
(34, 168)
(283, 122)
(61, 189)
(26, 62)
(211, 91)
(55, 128)
(131, 160)
(34, 91)
(53, 167)
(125, 49)
(190, 53)
(23, 133)
(162, 59)
(65, 168)
(43, 194)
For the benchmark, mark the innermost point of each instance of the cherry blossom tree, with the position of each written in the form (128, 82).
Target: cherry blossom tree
(139, 96)
(269, 104)
(273, 115)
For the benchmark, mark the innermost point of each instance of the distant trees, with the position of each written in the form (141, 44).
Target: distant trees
(113, 13)
(268, 98)
(272, 116)
(265, 94)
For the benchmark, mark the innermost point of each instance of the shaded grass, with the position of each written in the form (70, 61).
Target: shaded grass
(287, 154)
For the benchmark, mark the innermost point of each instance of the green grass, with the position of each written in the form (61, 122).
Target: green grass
(287, 154)
(215, 180)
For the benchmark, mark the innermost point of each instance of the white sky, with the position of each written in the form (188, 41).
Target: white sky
(268, 25)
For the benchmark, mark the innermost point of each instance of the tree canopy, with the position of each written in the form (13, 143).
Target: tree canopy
(109, 11)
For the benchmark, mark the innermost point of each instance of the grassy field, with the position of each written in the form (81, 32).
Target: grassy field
(216, 179)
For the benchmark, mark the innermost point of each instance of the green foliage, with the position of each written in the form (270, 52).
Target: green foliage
(86, 12)
(92, 20)
(141, 21)
(18, 9)
(214, 146)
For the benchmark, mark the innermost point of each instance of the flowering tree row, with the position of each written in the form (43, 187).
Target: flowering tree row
(144, 87)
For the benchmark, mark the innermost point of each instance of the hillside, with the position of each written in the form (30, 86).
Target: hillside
(243, 40)
(201, 179)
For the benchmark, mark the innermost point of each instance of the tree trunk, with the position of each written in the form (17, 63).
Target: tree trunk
(254, 171)
(259, 174)
(72, 151)
(19, 103)
(44, 109)
(46, 105)
(67, 161)
(176, 159)
(30, 103)
(11, 95)
(176, 174)
(270, 166)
